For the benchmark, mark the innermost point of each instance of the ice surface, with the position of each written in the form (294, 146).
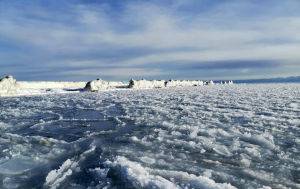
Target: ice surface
(51, 85)
(219, 136)
(16, 166)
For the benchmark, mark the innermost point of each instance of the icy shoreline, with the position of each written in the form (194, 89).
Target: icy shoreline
(10, 87)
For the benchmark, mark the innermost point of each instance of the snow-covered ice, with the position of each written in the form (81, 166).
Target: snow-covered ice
(218, 136)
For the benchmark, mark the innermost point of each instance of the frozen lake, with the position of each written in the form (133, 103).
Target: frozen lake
(222, 136)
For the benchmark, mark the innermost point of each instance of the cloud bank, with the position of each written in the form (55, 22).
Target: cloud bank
(116, 40)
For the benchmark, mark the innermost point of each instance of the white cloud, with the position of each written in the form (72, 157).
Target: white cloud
(168, 36)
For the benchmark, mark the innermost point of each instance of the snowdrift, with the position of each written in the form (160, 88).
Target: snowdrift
(9, 86)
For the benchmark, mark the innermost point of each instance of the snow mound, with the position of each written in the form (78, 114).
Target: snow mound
(9, 86)
(96, 85)
(146, 84)
(99, 84)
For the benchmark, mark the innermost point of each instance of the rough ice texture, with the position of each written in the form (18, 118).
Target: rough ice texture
(144, 177)
(138, 176)
(9, 86)
(99, 85)
(243, 136)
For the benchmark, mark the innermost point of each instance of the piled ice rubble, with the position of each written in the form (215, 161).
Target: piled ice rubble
(210, 82)
(183, 83)
(96, 85)
(230, 82)
(9, 86)
(99, 84)
(147, 84)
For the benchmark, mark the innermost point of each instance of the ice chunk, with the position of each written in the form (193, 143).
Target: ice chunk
(55, 177)
(99, 84)
(265, 140)
(222, 150)
(96, 85)
(9, 86)
(138, 176)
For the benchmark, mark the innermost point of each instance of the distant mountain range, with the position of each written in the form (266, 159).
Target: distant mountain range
(271, 80)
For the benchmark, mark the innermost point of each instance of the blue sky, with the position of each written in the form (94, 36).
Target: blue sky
(122, 39)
